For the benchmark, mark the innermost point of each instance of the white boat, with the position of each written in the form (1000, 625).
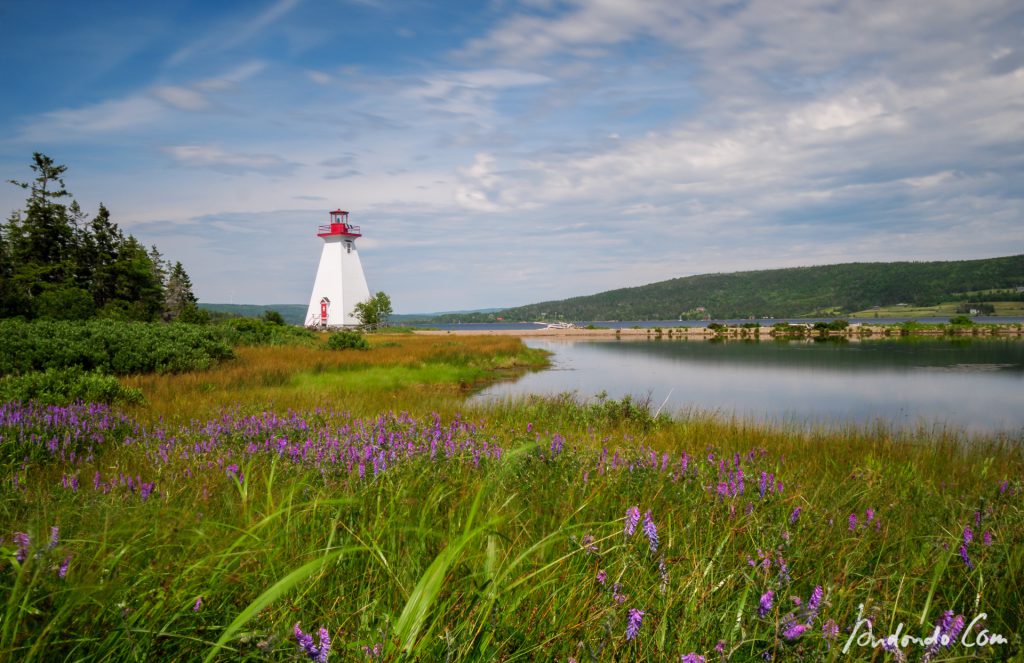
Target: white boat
(560, 325)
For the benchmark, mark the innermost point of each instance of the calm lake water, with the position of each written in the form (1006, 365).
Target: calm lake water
(974, 384)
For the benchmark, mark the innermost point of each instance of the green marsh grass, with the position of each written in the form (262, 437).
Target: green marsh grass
(482, 556)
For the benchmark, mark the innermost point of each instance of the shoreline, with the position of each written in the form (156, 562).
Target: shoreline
(704, 333)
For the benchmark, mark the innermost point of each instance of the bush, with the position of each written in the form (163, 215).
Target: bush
(273, 317)
(250, 331)
(838, 325)
(114, 347)
(961, 320)
(62, 386)
(347, 340)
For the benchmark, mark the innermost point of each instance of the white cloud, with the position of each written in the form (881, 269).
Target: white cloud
(319, 77)
(103, 118)
(216, 158)
(181, 98)
(231, 78)
(233, 35)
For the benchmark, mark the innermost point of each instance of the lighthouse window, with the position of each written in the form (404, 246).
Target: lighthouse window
(348, 246)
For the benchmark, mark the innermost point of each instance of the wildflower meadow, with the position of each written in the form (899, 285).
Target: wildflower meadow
(362, 528)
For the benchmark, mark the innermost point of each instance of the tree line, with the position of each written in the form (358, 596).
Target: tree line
(799, 291)
(57, 262)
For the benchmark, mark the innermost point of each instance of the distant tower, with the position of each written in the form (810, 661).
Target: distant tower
(340, 283)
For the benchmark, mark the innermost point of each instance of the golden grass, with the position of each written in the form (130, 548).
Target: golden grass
(269, 377)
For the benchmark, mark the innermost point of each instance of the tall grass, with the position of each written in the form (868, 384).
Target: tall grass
(197, 529)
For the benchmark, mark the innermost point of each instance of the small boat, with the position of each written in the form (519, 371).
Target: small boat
(560, 325)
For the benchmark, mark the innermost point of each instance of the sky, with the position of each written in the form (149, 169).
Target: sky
(508, 152)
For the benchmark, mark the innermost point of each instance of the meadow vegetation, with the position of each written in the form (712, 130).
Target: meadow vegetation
(291, 502)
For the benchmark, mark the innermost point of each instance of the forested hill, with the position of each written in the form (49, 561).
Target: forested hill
(834, 289)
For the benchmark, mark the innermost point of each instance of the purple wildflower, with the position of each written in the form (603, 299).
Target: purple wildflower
(651, 530)
(964, 556)
(373, 652)
(617, 596)
(853, 521)
(23, 541)
(968, 535)
(869, 515)
(692, 658)
(54, 537)
(889, 645)
(794, 630)
(765, 605)
(317, 654)
(198, 605)
(602, 576)
(829, 630)
(636, 617)
(815, 601)
(589, 545)
(720, 647)
(62, 571)
(632, 519)
(955, 628)
(793, 516)
(986, 538)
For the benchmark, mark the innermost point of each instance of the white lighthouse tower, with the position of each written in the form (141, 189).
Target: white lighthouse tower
(340, 283)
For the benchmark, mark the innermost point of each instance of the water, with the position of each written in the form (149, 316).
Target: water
(973, 384)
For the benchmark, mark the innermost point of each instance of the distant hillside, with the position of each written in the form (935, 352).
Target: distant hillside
(827, 289)
(293, 314)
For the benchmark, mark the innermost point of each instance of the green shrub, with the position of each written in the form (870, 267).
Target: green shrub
(347, 340)
(273, 317)
(838, 325)
(960, 320)
(110, 346)
(62, 386)
(250, 331)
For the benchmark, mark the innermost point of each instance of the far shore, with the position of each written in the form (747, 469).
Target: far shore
(853, 331)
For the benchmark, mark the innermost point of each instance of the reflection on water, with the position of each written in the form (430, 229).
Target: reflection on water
(975, 384)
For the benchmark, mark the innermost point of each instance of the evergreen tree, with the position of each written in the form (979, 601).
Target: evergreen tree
(106, 241)
(57, 262)
(179, 301)
(12, 300)
(161, 268)
(43, 242)
(137, 292)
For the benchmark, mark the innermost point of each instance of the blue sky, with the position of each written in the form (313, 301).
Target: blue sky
(501, 153)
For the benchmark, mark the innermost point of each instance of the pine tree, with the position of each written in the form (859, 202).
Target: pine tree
(43, 242)
(179, 301)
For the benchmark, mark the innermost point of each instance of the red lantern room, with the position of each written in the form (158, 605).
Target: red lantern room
(339, 226)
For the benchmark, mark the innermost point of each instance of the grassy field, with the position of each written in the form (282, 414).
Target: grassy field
(243, 508)
(940, 310)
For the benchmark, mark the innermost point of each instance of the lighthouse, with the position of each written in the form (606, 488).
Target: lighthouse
(340, 283)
